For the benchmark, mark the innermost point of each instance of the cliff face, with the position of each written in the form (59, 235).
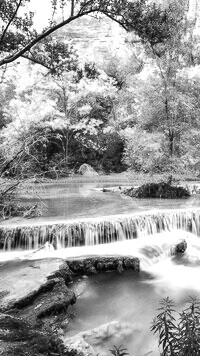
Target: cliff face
(95, 39)
(194, 13)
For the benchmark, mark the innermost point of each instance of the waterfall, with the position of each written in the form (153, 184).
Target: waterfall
(96, 231)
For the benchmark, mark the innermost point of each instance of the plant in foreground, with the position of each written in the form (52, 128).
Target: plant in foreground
(178, 336)
(119, 351)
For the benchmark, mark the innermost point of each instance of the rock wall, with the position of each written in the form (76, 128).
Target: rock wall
(95, 38)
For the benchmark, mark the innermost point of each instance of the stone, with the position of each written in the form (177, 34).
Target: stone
(91, 270)
(76, 266)
(97, 264)
(131, 263)
(79, 345)
(120, 268)
(63, 272)
(179, 248)
(90, 341)
(50, 299)
(52, 303)
(87, 170)
(113, 329)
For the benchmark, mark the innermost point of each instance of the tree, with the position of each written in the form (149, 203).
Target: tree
(18, 36)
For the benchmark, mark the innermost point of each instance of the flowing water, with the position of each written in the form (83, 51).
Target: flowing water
(131, 300)
(80, 221)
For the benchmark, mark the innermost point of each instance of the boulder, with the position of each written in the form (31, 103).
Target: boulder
(77, 345)
(179, 248)
(87, 170)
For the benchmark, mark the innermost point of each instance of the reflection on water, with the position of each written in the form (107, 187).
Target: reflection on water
(74, 200)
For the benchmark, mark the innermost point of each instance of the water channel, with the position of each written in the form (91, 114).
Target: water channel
(124, 304)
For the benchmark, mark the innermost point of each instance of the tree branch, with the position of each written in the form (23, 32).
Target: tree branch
(27, 48)
(11, 20)
(72, 8)
(36, 61)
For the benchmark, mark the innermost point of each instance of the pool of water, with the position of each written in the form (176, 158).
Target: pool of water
(82, 200)
(131, 301)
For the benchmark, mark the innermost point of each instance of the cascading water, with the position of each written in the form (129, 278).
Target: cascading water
(89, 232)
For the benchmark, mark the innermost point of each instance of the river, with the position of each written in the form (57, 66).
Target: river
(128, 299)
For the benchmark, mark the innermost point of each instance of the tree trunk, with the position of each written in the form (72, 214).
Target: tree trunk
(171, 142)
(72, 7)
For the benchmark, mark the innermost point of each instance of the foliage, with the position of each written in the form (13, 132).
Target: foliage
(140, 112)
(55, 126)
(143, 150)
(22, 339)
(18, 36)
(56, 56)
(119, 351)
(178, 337)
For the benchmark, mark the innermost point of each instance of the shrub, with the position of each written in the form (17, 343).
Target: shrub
(178, 336)
(158, 190)
(119, 351)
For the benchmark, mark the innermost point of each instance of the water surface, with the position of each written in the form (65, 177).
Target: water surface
(82, 200)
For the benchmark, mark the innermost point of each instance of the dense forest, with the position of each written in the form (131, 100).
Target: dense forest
(140, 111)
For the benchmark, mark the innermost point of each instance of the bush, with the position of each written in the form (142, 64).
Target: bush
(178, 337)
(158, 190)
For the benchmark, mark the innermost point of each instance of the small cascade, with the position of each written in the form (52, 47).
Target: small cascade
(97, 231)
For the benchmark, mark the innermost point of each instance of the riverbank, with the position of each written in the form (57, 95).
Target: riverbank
(135, 178)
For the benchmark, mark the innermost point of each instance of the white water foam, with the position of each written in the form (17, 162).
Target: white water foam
(88, 232)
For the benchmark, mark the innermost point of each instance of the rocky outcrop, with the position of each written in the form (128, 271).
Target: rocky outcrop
(48, 300)
(96, 264)
(47, 304)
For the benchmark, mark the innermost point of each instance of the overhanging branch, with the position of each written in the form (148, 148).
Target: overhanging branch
(32, 43)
